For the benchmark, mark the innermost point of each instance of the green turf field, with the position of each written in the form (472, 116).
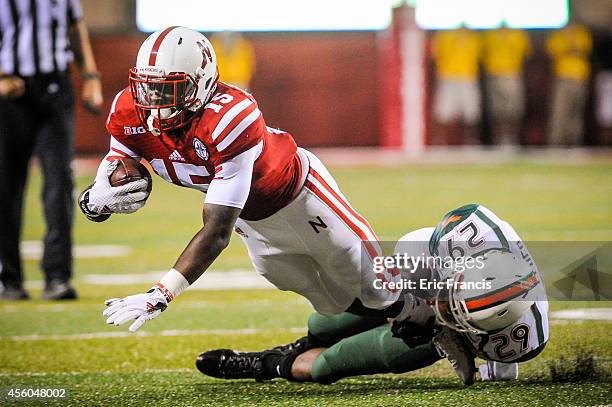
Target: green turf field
(67, 344)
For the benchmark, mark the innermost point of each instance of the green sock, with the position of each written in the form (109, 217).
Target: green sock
(328, 330)
(371, 352)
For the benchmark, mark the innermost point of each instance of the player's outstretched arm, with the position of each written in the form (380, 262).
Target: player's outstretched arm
(225, 199)
(209, 242)
(199, 254)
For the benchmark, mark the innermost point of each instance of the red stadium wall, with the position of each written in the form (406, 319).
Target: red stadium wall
(321, 87)
(114, 56)
(330, 89)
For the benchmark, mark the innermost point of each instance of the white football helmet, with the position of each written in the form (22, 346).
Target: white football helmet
(175, 75)
(512, 282)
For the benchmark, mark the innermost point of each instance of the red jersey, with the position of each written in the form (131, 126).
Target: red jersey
(229, 125)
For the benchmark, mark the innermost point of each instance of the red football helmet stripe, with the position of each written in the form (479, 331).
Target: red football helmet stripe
(157, 44)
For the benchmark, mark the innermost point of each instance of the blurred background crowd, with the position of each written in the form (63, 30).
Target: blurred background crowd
(492, 85)
(401, 86)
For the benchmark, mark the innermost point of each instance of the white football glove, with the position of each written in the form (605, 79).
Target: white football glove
(139, 307)
(416, 310)
(103, 198)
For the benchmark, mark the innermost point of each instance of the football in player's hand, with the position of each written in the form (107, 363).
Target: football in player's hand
(129, 170)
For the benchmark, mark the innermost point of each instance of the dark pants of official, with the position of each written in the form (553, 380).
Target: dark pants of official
(39, 122)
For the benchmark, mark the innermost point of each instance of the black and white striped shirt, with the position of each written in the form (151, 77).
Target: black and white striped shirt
(34, 35)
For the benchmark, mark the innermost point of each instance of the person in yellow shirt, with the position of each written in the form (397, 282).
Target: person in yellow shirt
(570, 50)
(504, 53)
(456, 55)
(235, 58)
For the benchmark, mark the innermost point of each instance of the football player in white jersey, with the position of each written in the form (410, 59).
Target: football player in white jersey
(505, 323)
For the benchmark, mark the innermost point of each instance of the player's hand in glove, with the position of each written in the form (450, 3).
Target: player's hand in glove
(415, 324)
(104, 199)
(139, 308)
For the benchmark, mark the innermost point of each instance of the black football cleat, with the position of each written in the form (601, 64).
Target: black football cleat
(230, 364)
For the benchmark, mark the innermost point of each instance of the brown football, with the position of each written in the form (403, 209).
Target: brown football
(129, 170)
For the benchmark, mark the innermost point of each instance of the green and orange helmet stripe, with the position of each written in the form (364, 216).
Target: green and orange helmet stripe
(504, 294)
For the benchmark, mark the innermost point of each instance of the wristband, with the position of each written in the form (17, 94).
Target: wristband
(173, 284)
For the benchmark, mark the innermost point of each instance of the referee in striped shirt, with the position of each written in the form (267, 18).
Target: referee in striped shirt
(38, 41)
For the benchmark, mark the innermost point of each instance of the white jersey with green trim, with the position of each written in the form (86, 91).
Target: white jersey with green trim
(473, 230)
(517, 342)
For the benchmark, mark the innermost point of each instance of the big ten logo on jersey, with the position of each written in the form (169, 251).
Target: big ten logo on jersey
(217, 102)
(182, 174)
(133, 130)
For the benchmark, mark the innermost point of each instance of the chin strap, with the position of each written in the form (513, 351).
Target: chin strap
(151, 126)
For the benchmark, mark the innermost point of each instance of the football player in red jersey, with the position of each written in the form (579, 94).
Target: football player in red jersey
(197, 132)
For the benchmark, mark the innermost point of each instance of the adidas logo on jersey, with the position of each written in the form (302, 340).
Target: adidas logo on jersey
(176, 156)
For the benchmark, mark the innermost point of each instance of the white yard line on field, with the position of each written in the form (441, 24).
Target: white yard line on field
(583, 314)
(173, 332)
(557, 318)
(37, 308)
(33, 250)
(77, 307)
(237, 279)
